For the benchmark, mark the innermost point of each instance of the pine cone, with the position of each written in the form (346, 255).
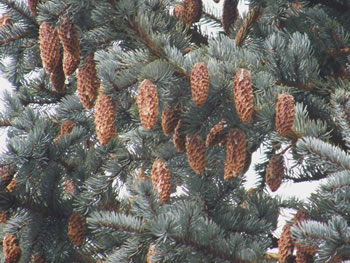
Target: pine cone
(284, 114)
(11, 251)
(179, 139)
(38, 259)
(243, 95)
(87, 82)
(274, 172)
(147, 101)
(69, 37)
(215, 134)
(170, 118)
(285, 243)
(49, 47)
(300, 216)
(193, 11)
(229, 14)
(303, 257)
(3, 217)
(32, 4)
(70, 63)
(76, 229)
(151, 253)
(6, 176)
(66, 129)
(161, 180)
(195, 153)
(12, 185)
(235, 154)
(199, 83)
(104, 119)
(58, 78)
(179, 11)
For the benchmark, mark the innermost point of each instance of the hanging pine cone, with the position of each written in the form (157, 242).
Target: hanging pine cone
(161, 180)
(302, 257)
(195, 153)
(179, 11)
(49, 47)
(274, 172)
(151, 253)
(193, 11)
(179, 139)
(285, 243)
(66, 129)
(243, 95)
(76, 229)
(305, 250)
(38, 259)
(147, 101)
(32, 4)
(6, 176)
(170, 118)
(199, 83)
(11, 251)
(58, 78)
(215, 134)
(70, 63)
(69, 37)
(235, 154)
(104, 119)
(229, 14)
(284, 114)
(87, 82)
(300, 216)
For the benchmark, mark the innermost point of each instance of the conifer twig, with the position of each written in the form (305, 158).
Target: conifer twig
(253, 16)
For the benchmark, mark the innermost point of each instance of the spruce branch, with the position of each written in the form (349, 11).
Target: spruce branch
(15, 37)
(13, 6)
(247, 25)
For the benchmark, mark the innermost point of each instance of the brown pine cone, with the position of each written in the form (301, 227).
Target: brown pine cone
(161, 180)
(179, 11)
(66, 129)
(76, 229)
(147, 101)
(199, 83)
(285, 243)
(235, 154)
(11, 251)
(49, 47)
(58, 78)
(170, 118)
(104, 119)
(32, 4)
(243, 95)
(87, 82)
(69, 37)
(284, 114)
(179, 139)
(193, 11)
(229, 14)
(274, 172)
(215, 134)
(195, 153)
(70, 63)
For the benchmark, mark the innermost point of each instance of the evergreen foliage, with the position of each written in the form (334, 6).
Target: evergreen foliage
(87, 192)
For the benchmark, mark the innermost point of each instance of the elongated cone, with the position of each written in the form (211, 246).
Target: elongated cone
(58, 78)
(87, 82)
(151, 253)
(229, 14)
(243, 95)
(76, 229)
(161, 180)
(170, 118)
(235, 154)
(179, 11)
(11, 251)
(104, 119)
(179, 139)
(49, 47)
(274, 172)
(285, 243)
(215, 134)
(193, 11)
(70, 63)
(195, 153)
(147, 101)
(199, 83)
(284, 114)
(32, 4)
(302, 257)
